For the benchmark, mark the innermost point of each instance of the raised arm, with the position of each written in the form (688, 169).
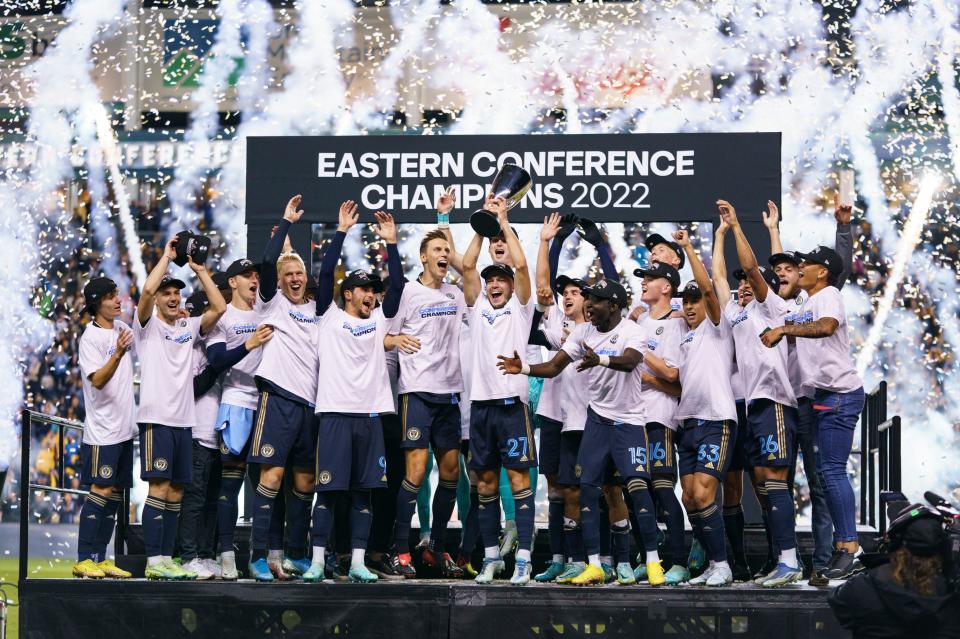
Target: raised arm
(347, 217)
(590, 232)
(445, 204)
(545, 274)
(748, 261)
(217, 305)
(521, 277)
(268, 269)
(771, 220)
(471, 278)
(701, 276)
(720, 282)
(843, 244)
(386, 228)
(148, 293)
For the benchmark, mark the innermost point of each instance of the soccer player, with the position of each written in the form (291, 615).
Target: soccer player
(827, 372)
(771, 404)
(663, 251)
(614, 441)
(707, 414)
(167, 412)
(285, 428)
(106, 455)
(350, 449)
(500, 430)
(661, 334)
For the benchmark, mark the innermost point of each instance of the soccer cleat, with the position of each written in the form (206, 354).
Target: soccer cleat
(570, 572)
(405, 566)
(521, 573)
(508, 541)
(197, 567)
(554, 570)
(87, 569)
(701, 579)
(313, 574)
(228, 566)
(609, 573)
(625, 575)
(295, 567)
(720, 576)
(260, 570)
(213, 567)
(162, 570)
(449, 568)
(276, 568)
(741, 572)
(490, 569)
(591, 575)
(385, 567)
(782, 576)
(360, 574)
(697, 558)
(111, 571)
(842, 565)
(676, 575)
(769, 566)
(182, 572)
(468, 570)
(640, 572)
(655, 576)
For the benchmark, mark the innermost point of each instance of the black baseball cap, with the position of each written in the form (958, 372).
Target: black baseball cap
(768, 276)
(169, 280)
(241, 266)
(197, 303)
(824, 256)
(360, 278)
(661, 270)
(221, 280)
(607, 289)
(564, 281)
(691, 292)
(786, 256)
(496, 269)
(95, 290)
(656, 238)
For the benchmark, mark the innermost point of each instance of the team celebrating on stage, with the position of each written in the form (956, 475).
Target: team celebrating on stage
(336, 398)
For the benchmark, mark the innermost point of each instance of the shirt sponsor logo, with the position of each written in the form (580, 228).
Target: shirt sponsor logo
(494, 316)
(438, 311)
(688, 337)
(741, 317)
(182, 338)
(803, 318)
(606, 351)
(362, 329)
(243, 329)
(652, 344)
(297, 316)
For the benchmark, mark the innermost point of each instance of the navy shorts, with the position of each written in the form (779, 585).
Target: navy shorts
(772, 433)
(569, 474)
(549, 448)
(166, 453)
(427, 424)
(284, 431)
(612, 452)
(705, 446)
(501, 434)
(350, 453)
(662, 450)
(740, 459)
(227, 457)
(107, 464)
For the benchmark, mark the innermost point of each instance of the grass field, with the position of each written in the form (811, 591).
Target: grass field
(38, 568)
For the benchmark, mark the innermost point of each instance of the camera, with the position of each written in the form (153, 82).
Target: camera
(902, 513)
(192, 245)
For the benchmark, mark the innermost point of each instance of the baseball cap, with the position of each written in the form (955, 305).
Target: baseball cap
(169, 280)
(919, 529)
(824, 256)
(607, 289)
(241, 266)
(786, 256)
(656, 238)
(361, 278)
(661, 270)
(691, 292)
(197, 303)
(564, 281)
(767, 274)
(496, 269)
(95, 290)
(222, 280)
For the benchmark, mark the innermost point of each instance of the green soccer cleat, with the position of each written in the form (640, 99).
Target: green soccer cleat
(609, 574)
(676, 575)
(625, 575)
(640, 573)
(360, 574)
(183, 574)
(570, 572)
(313, 574)
(554, 570)
(162, 571)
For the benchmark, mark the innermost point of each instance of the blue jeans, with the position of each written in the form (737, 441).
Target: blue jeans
(836, 421)
(820, 522)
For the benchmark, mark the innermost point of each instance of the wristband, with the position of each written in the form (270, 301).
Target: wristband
(443, 220)
(540, 307)
(605, 360)
(525, 369)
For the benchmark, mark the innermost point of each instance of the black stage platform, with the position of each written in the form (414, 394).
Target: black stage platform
(54, 608)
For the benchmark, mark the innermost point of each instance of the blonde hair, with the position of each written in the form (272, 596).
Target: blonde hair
(435, 234)
(290, 257)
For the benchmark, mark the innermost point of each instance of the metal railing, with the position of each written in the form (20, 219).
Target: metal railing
(879, 457)
(26, 488)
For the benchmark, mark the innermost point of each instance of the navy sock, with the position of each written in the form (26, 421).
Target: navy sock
(323, 518)
(171, 521)
(298, 523)
(712, 531)
(406, 504)
(360, 518)
(107, 524)
(444, 500)
(525, 509)
(91, 516)
(733, 525)
(761, 491)
(153, 509)
(634, 528)
(781, 516)
(696, 525)
(663, 491)
(573, 540)
(643, 509)
(555, 525)
(489, 519)
(264, 503)
(620, 536)
(471, 525)
(590, 517)
(603, 525)
(278, 518)
(228, 508)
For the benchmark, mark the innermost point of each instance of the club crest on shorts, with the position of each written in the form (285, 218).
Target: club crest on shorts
(413, 433)
(383, 462)
(266, 450)
(160, 463)
(224, 450)
(325, 477)
(106, 472)
(578, 470)
(660, 330)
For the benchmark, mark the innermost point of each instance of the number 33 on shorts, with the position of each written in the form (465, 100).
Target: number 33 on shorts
(712, 455)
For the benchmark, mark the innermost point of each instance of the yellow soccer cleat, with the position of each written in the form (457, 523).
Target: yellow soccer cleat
(655, 574)
(111, 571)
(591, 575)
(87, 569)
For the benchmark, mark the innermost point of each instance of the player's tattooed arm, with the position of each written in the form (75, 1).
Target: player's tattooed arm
(625, 363)
(661, 369)
(662, 385)
(514, 366)
(823, 327)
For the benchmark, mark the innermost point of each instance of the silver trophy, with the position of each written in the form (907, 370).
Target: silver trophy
(511, 183)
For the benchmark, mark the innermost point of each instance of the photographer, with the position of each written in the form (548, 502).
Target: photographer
(908, 595)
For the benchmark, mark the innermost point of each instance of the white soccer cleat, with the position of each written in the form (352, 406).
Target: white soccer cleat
(198, 567)
(701, 580)
(228, 566)
(491, 568)
(720, 576)
(213, 567)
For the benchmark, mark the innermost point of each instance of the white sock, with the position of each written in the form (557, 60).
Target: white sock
(274, 555)
(356, 560)
(425, 536)
(523, 553)
(153, 561)
(491, 552)
(594, 560)
(789, 558)
(228, 555)
(319, 556)
(652, 556)
(721, 564)
(606, 559)
(558, 559)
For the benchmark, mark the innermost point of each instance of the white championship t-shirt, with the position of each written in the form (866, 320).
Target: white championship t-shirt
(434, 317)
(353, 364)
(207, 405)
(763, 371)
(569, 392)
(166, 371)
(289, 359)
(498, 331)
(777, 312)
(110, 410)
(661, 337)
(613, 394)
(706, 365)
(233, 330)
(825, 362)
